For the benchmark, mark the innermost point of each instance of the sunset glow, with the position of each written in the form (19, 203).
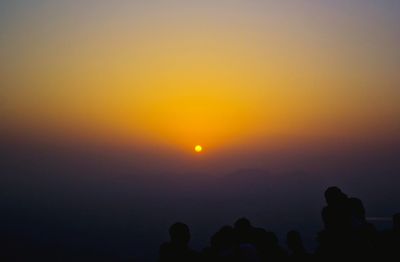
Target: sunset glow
(141, 130)
(198, 148)
(224, 73)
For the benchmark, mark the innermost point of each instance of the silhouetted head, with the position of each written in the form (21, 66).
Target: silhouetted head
(396, 221)
(243, 230)
(179, 233)
(294, 241)
(357, 208)
(242, 223)
(334, 195)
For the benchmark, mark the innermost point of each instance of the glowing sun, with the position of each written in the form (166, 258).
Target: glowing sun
(198, 148)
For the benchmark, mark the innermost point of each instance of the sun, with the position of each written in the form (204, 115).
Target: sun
(198, 148)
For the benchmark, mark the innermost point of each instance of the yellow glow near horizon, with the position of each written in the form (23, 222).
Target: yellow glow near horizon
(175, 74)
(198, 148)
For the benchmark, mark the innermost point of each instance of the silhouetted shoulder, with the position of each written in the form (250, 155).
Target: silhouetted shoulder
(177, 249)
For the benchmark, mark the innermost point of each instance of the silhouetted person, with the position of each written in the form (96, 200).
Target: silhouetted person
(347, 235)
(357, 213)
(177, 249)
(244, 231)
(223, 246)
(335, 240)
(396, 222)
(337, 214)
(268, 246)
(246, 249)
(296, 247)
(396, 235)
(363, 233)
(389, 244)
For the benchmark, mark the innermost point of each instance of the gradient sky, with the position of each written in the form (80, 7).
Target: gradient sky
(102, 103)
(220, 73)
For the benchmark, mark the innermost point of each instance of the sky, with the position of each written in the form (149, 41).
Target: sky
(99, 96)
(177, 74)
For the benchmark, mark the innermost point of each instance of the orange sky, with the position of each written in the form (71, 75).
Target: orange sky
(217, 74)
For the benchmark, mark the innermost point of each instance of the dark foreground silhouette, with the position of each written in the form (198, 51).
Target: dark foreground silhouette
(346, 236)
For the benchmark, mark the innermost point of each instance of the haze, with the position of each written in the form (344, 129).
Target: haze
(102, 104)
